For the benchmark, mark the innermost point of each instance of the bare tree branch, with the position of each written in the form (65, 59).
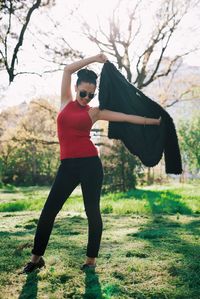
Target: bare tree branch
(11, 9)
(36, 140)
(173, 61)
(178, 100)
(21, 37)
(11, 68)
(8, 31)
(118, 42)
(152, 77)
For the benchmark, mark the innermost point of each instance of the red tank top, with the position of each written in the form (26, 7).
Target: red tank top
(73, 130)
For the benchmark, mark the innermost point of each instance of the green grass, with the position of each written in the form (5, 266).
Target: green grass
(150, 246)
(141, 256)
(182, 199)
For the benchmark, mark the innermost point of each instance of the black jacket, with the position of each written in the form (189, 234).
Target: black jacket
(147, 142)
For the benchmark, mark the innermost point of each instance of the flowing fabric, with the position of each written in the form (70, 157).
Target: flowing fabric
(147, 142)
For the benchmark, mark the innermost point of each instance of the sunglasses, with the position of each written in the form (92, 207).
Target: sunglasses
(84, 93)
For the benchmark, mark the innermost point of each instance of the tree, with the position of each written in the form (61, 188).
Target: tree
(29, 147)
(12, 12)
(16, 19)
(121, 168)
(142, 58)
(190, 142)
(122, 43)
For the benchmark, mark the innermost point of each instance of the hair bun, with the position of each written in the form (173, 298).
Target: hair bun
(85, 73)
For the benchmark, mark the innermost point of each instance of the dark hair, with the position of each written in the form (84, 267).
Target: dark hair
(85, 75)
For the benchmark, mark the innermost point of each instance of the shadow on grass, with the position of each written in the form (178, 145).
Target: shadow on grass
(30, 288)
(19, 244)
(163, 201)
(168, 204)
(172, 239)
(92, 285)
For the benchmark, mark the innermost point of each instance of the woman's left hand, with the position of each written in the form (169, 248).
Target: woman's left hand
(101, 58)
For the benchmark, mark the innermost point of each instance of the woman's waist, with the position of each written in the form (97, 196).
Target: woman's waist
(73, 137)
(67, 153)
(70, 142)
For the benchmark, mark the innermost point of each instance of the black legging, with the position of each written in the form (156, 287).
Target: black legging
(89, 172)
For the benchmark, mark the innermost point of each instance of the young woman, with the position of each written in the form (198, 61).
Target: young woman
(80, 163)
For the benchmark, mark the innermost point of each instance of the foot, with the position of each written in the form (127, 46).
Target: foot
(90, 261)
(88, 266)
(30, 266)
(35, 258)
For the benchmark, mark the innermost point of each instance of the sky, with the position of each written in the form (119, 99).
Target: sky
(26, 87)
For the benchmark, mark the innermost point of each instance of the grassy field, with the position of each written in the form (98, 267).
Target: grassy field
(150, 245)
(167, 199)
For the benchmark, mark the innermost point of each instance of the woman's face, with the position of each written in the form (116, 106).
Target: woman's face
(85, 93)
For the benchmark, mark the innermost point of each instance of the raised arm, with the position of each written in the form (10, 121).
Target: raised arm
(66, 94)
(123, 117)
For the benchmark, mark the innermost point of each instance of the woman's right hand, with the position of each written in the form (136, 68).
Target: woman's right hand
(102, 58)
